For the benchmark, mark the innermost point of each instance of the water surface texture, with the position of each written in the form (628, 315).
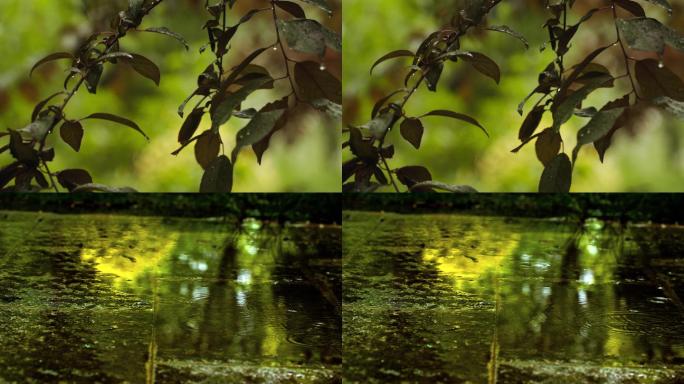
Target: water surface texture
(455, 298)
(109, 299)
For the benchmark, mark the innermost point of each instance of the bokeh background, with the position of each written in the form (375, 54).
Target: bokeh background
(647, 156)
(305, 156)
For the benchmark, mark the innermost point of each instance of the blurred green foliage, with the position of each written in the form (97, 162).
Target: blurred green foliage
(645, 157)
(303, 157)
(318, 208)
(637, 207)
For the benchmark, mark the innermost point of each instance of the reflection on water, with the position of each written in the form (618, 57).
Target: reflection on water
(114, 298)
(452, 298)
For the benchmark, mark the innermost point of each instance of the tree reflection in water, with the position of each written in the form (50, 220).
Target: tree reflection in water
(104, 298)
(456, 298)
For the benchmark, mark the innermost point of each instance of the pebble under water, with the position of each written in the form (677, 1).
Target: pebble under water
(470, 299)
(110, 299)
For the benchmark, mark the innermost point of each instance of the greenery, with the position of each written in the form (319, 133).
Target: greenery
(663, 208)
(73, 131)
(624, 111)
(317, 208)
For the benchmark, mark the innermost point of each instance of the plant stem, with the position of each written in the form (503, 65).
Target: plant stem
(624, 51)
(117, 36)
(279, 43)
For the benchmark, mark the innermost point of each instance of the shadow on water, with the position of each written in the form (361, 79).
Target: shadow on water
(449, 298)
(105, 299)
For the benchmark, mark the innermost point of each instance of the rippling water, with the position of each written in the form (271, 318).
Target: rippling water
(452, 298)
(113, 298)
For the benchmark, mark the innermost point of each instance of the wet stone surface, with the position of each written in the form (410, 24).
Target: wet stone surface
(111, 299)
(453, 299)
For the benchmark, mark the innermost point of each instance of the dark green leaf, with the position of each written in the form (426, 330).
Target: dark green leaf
(392, 55)
(308, 36)
(190, 125)
(51, 57)
(145, 67)
(93, 77)
(412, 130)
(218, 177)
(547, 146)
(315, 83)
(412, 175)
(656, 81)
(531, 122)
(557, 176)
(507, 30)
(72, 133)
(260, 126)
(457, 116)
(167, 32)
(72, 178)
(116, 119)
(207, 148)
(484, 65)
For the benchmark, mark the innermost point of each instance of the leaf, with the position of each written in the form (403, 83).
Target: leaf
(22, 151)
(656, 81)
(72, 178)
(432, 76)
(507, 30)
(8, 173)
(557, 176)
(51, 57)
(117, 119)
(322, 4)
(308, 36)
(363, 149)
(412, 175)
(168, 32)
(115, 55)
(145, 67)
(647, 34)
(218, 177)
(531, 122)
(381, 103)
(39, 129)
(484, 65)
(632, 7)
(443, 187)
(190, 125)
(563, 112)
(457, 116)
(261, 147)
(224, 111)
(599, 126)
(39, 106)
(72, 133)
(314, 83)
(260, 126)
(207, 148)
(673, 106)
(412, 130)
(332, 109)
(93, 76)
(547, 146)
(392, 55)
(291, 8)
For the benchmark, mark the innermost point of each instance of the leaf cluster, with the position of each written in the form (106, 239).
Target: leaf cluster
(564, 89)
(369, 166)
(28, 145)
(223, 91)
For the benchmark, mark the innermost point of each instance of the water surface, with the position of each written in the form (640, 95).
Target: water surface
(454, 298)
(97, 298)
